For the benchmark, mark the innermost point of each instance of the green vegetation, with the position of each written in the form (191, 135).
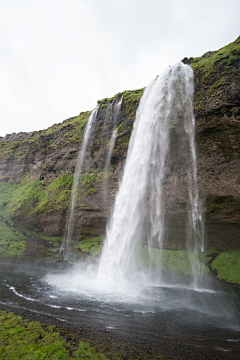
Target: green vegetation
(93, 246)
(88, 184)
(213, 70)
(69, 131)
(227, 266)
(208, 255)
(12, 240)
(55, 240)
(58, 193)
(78, 126)
(26, 197)
(32, 196)
(170, 261)
(216, 205)
(135, 95)
(130, 103)
(21, 339)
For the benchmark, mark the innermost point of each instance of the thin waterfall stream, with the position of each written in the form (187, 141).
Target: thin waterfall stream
(78, 170)
(107, 163)
(117, 109)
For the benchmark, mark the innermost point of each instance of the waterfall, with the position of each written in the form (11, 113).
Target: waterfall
(108, 118)
(161, 152)
(107, 163)
(77, 174)
(117, 109)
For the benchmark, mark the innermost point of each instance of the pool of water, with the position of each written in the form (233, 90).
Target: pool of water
(207, 316)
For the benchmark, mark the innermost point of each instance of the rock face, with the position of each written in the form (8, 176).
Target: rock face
(42, 163)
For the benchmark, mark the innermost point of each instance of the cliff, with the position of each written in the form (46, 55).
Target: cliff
(36, 169)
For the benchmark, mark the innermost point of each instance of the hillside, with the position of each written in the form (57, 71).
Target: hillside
(36, 169)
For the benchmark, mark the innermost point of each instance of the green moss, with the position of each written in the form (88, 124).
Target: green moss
(93, 246)
(86, 352)
(132, 95)
(70, 130)
(227, 266)
(57, 194)
(213, 70)
(21, 339)
(102, 135)
(88, 185)
(217, 204)
(26, 197)
(12, 240)
(208, 255)
(54, 240)
(78, 128)
(32, 197)
(169, 261)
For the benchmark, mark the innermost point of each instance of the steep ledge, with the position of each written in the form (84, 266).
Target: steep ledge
(39, 166)
(42, 165)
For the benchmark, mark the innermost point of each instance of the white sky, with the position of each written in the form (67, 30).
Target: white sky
(58, 57)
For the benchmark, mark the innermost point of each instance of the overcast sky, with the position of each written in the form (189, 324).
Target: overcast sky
(57, 57)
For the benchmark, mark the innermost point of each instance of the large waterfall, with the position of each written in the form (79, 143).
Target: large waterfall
(160, 173)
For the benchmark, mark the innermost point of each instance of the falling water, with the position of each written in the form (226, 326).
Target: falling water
(165, 113)
(195, 236)
(107, 118)
(117, 109)
(77, 174)
(107, 163)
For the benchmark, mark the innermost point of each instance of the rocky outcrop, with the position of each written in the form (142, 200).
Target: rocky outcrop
(42, 163)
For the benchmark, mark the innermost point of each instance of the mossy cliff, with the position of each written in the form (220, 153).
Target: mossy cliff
(36, 169)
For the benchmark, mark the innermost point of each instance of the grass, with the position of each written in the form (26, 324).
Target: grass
(227, 266)
(55, 240)
(12, 240)
(57, 194)
(88, 182)
(26, 197)
(21, 339)
(133, 94)
(170, 261)
(32, 196)
(213, 70)
(93, 246)
(69, 131)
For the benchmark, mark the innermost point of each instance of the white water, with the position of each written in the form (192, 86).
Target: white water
(140, 195)
(107, 163)
(195, 235)
(77, 174)
(108, 117)
(115, 112)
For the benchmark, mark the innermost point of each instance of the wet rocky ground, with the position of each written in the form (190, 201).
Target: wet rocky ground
(121, 346)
